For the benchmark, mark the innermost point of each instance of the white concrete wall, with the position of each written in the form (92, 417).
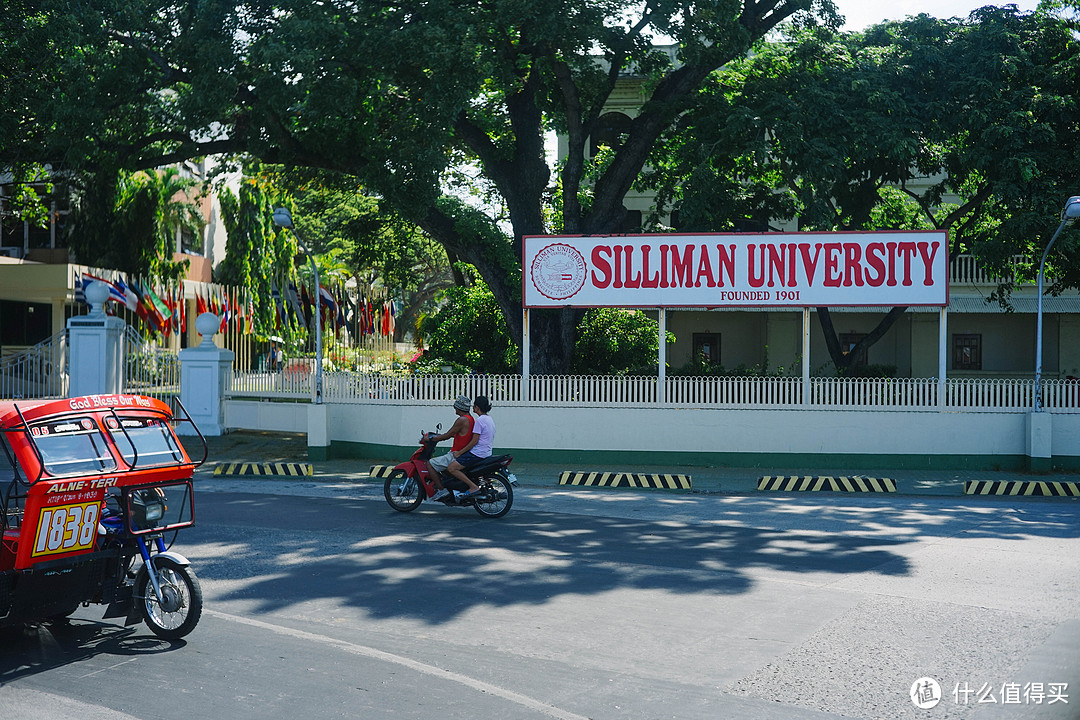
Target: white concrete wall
(275, 417)
(659, 430)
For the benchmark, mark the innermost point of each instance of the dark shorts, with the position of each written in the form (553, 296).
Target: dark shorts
(467, 459)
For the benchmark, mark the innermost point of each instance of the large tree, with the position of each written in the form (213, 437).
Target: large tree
(378, 246)
(969, 125)
(394, 93)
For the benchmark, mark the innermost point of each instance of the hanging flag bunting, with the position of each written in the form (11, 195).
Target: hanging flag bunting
(327, 298)
(279, 309)
(144, 307)
(131, 300)
(115, 294)
(340, 320)
(163, 312)
(226, 310)
(80, 295)
(250, 315)
(180, 313)
(294, 303)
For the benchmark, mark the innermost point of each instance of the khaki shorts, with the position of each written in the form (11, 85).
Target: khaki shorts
(440, 463)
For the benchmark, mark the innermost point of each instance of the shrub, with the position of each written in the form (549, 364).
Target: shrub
(612, 341)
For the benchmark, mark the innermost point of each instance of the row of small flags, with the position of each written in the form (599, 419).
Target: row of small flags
(337, 310)
(163, 309)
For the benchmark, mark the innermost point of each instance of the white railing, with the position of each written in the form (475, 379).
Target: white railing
(36, 372)
(708, 391)
(874, 392)
(969, 394)
(149, 369)
(966, 269)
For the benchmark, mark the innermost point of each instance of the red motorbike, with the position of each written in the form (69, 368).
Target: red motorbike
(410, 483)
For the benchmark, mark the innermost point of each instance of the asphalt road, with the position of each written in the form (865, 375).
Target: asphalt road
(322, 602)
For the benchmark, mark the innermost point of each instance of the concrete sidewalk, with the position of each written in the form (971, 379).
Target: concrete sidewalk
(265, 447)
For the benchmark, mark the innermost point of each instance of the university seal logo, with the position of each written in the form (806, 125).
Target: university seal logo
(558, 271)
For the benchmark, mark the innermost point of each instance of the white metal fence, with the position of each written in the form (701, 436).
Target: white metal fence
(150, 369)
(36, 372)
(968, 394)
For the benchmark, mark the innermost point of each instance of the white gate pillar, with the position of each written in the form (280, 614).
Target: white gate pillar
(96, 348)
(204, 378)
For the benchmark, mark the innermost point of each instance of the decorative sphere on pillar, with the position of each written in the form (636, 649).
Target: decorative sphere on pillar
(97, 293)
(207, 325)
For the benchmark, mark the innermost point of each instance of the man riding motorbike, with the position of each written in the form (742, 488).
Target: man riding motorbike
(461, 431)
(479, 447)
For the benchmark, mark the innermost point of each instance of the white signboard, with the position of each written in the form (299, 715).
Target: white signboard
(732, 270)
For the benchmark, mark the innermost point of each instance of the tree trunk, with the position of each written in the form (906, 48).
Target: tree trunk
(843, 360)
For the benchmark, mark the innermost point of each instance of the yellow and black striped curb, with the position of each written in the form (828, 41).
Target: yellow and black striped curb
(283, 468)
(811, 483)
(1022, 487)
(625, 479)
(381, 471)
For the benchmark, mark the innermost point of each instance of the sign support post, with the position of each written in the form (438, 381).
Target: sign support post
(525, 355)
(943, 353)
(806, 356)
(661, 366)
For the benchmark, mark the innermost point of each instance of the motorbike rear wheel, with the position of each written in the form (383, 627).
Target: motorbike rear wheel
(181, 607)
(402, 492)
(497, 495)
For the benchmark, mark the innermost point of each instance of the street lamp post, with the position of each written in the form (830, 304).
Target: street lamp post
(283, 218)
(1071, 211)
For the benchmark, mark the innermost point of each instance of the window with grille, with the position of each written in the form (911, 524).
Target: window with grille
(967, 352)
(847, 346)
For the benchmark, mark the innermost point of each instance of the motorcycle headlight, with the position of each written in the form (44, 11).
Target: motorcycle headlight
(147, 507)
(154, 510)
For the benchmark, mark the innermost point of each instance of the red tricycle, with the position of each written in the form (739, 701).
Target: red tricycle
(87, 486)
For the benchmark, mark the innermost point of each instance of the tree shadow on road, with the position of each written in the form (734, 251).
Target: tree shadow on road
(367, 556)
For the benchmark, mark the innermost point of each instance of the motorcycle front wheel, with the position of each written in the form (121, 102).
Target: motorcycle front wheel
(180, 608)
(402, 492)
(497, 495)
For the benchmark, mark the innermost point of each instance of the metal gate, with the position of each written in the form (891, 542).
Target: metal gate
(150, 369)
(40, 371)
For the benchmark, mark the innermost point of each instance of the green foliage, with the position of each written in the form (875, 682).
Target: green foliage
(612, 341)
(965, 124)
(25, 202)
(467, 334)
(699, 366)
(393, 96)
(969, 125)
(868, 371)
(356, 235)
(258, 254)
(127, 221)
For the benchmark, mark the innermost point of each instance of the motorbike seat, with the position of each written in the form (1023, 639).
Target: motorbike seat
(485, 465)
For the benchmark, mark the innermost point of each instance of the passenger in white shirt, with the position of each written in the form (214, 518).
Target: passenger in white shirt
(479, 447)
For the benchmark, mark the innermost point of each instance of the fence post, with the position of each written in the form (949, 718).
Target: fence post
(204, 377)
(1039, 447)
(97, 348)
